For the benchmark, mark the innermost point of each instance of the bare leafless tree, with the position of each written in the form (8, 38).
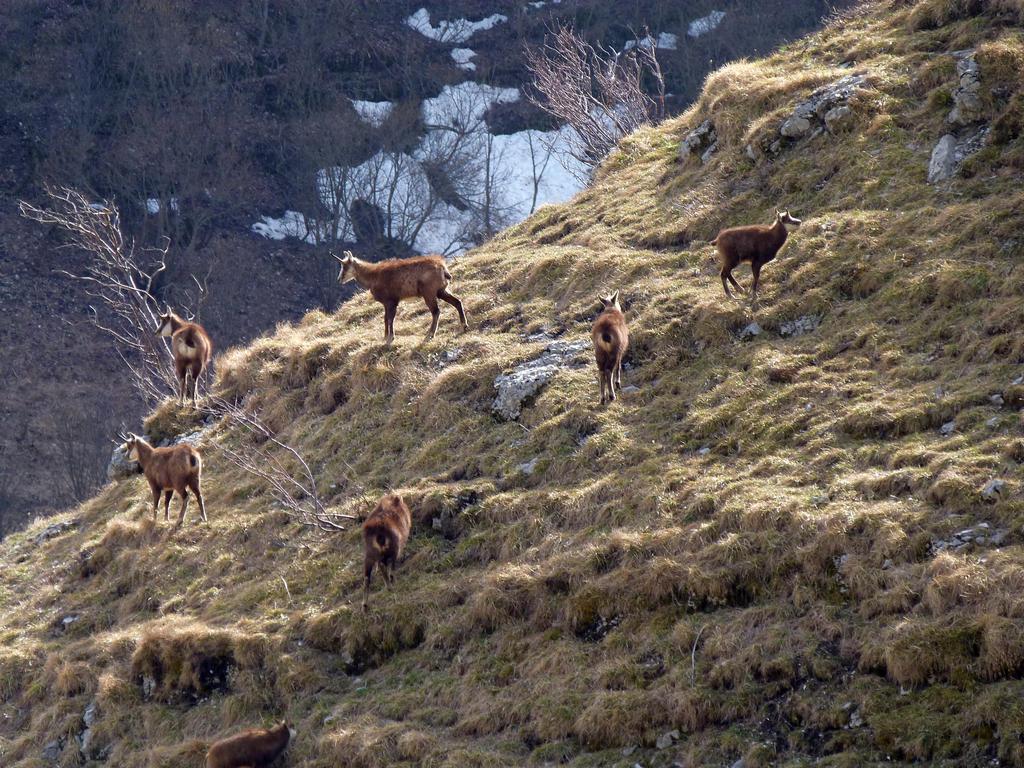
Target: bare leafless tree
(597, 91)
(122, 287)
(281, 467)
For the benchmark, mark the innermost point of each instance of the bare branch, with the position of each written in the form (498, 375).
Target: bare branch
(126, 308)
(599, 92)
(281, 467)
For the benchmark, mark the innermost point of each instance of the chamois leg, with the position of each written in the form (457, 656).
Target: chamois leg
(756, 269)
(456, 302)
(435, 315)
(725, 281)
(184, 508)
(618, 374)
(194, 485)
(167, 504)
(736, 285)
(610, 377)
(156, 498)
(603, 379)
(182, 379)
(367, 575)
(389, 321)
(195, 386)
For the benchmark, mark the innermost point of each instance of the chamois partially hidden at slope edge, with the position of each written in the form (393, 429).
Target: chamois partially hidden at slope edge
(611, 340)
(174, 468)
(191, 347)
(756, 244)
(253, 748)
(385, 533)
(395, 279)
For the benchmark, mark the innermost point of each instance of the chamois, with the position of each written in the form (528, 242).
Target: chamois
(756, 244)
(395, 279)
(175, 468)
(253, 748)
(191, 347)
(385, 533)
(611, 340)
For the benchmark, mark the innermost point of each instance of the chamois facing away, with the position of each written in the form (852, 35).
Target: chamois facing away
(250, 749)
(611, 340)
(175, 468)
(756, 244)
(395, 279)
(385, 533)
(191, 347)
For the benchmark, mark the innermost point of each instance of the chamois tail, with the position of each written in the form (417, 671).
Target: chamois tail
(605, 341)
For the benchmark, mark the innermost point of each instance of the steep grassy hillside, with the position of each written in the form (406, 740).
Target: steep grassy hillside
(756, 549)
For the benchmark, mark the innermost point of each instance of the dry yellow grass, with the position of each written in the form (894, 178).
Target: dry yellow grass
(780, 596)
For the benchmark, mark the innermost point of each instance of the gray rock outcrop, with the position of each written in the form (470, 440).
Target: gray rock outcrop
(967, 95)
(529, 378)
(826, 109)
(702, 141)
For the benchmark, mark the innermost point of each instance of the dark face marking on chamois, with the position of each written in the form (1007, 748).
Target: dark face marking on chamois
(610, 301)
(164, 328)
(786, 219)
(347, 271)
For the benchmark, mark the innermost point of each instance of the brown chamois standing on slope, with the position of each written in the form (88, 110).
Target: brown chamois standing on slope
(175, 468)
(250, 749)
(611, 340)
(756, 244)
(191, 347)
(385, 533)
(395, 279)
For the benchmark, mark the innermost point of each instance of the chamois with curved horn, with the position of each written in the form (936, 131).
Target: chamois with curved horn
(395, 279)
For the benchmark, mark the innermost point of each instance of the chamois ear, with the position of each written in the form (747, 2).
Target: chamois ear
(348, 256)
(614, 298)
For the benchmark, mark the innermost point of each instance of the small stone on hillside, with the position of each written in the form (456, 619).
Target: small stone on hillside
(666, 740)
(942, 165)
(997, 400)
(993, 422)
(702, 140)
(795, 126)
(627, 751)
(836, 116)
(52, 750)
(827, 108)
(630, 389)
(967, 95)
(948, 428)
(750, 331)
(800, 326)
(704, 451)
(993, 489)
(528, 467)
(54, 530)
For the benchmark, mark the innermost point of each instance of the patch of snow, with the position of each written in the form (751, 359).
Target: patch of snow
(705, 24)
(152, 206)
(462, 58)
(291, 224)
(469, 101)
(528, 169)
(455, 31)
(373, 112)
(665, 40)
